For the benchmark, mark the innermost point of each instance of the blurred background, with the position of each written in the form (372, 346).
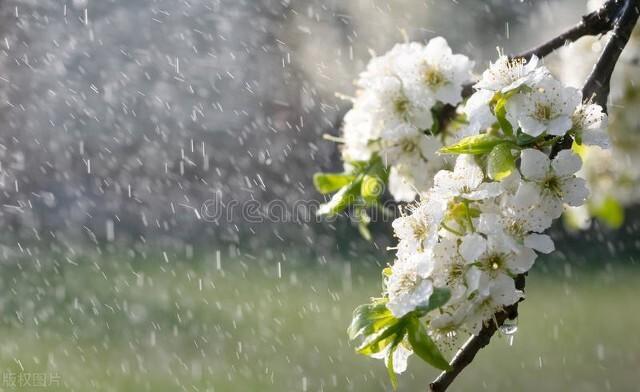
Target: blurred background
(130, 133)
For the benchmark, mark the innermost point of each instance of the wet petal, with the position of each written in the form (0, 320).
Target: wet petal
(566, 163)
(574, 191)
(534, 164)
(540, 242)
(472, 247)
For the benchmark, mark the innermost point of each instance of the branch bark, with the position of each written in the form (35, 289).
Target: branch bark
(620, 16)
(598, 83)
(597, 22)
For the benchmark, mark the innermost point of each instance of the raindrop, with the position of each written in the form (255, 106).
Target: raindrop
(509, 328)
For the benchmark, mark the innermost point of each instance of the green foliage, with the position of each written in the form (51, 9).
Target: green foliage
(423, 346)
(362, 186)
(347, 195)
(500, 111)
(331, 182)
(500, 162)
(369, 318)
(476, 145)
(438, 298)
(609, 211)
(379, 330)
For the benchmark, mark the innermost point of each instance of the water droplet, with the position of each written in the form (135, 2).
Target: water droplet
(509, 327)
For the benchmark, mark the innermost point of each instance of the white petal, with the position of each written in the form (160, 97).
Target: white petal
(478, 112)
(503, 290)
(531, 127)
(552, 206)
(534, 164)
(559, 125)
(596, 137)
(472, 277)
(540, 242)
(566, 163)
(574, 191)
(522, 261)
(400, 357)
(424, 264)
(437, 48)
(468, 171)
(485, 191)
(449, 93)
(489, 223)
(401, 187)
(472, 247)
(527, 195)
(422, 118)
(444, 184)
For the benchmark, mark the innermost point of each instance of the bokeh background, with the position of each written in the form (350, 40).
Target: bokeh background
(121, 119)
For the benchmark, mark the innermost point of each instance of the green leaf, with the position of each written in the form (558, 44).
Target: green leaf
(331, 182)
(476, 144)
(610, 211)
(501, 114)
(423, 346)
(393, 377)
(341, 199)
(439, 297)
(376, 342)
(500, 162)
(369, 318)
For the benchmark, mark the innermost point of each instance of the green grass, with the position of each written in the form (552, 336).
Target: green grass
(117, 324)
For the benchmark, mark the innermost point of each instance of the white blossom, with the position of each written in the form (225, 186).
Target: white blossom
(589, 122)
(400, 356)
(495, 256)
(466, 180)
(419, 230)
(505, 75)
(381, 67)
(550, 183)
(478, 112)
(518, 224)
(498, 293)
(434, 73)
(408, 287)
(548, 107)
(449, 268)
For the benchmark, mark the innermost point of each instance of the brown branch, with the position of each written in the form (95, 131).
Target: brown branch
(598, 22)
(468, 351)
(597, 84)
(620, 16)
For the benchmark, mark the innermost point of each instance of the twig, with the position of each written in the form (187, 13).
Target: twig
(621, 17)
(598, 22)
(468, 351)
(597, 84)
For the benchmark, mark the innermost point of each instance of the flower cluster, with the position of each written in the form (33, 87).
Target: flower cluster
(611, 176)
(393, 113)
(482, 224)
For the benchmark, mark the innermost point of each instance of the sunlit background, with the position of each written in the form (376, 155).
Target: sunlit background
(131, 132)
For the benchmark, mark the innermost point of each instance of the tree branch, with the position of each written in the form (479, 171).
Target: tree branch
(468, 351)
(620, 16)
(598, 22)
(597, 84)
